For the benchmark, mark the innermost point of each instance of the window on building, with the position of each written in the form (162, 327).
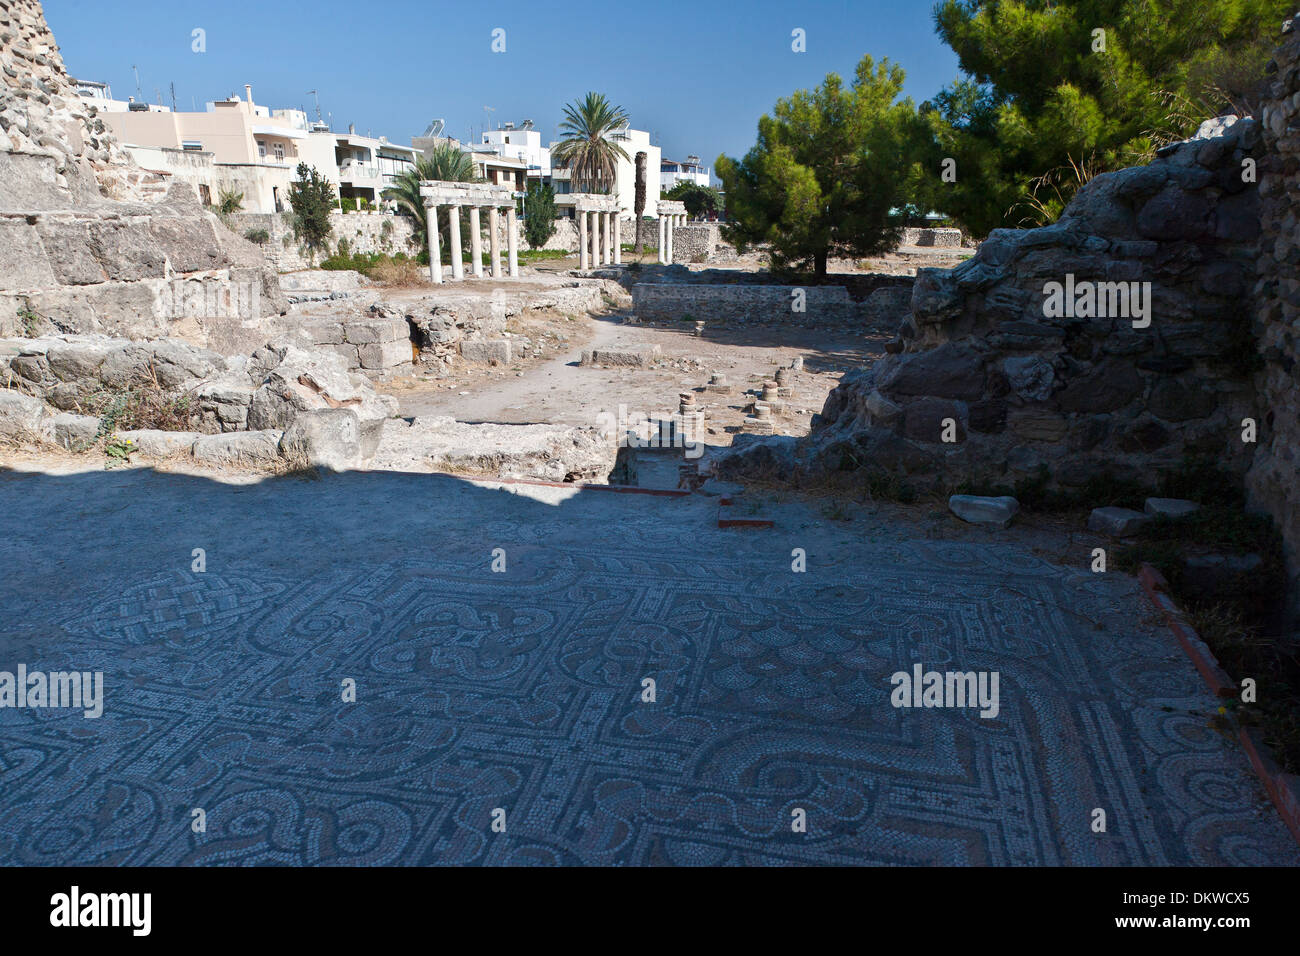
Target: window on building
(261, 149)
(192, 146)
(279, 152)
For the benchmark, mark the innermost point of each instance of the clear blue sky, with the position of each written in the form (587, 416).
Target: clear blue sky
(697, 74)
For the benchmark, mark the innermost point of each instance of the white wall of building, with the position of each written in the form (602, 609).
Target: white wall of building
(689, 170)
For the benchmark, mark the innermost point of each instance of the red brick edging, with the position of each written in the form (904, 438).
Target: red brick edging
(724, 508)
(1283, 788)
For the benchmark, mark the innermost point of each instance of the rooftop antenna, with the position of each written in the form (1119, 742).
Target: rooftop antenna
(173, 97)
(139, 93)
(487, 118)
(317, 95)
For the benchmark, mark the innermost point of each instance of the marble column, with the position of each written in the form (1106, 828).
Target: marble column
(582, 239)
(594, 230)
(618, 241)
(609, 238)
(476, 241)
(663, 239)
(668, 251)
(602, 239)
(512, 240)
(457, 263)
(494, 241)
(435, 247)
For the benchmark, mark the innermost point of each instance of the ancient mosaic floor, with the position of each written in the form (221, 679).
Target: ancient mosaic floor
(522, 690)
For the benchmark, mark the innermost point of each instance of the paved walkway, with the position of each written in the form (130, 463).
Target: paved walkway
(521, 690)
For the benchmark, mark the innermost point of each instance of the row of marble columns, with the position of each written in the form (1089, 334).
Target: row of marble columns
(599, 241)
(667, 226)
(475, 241)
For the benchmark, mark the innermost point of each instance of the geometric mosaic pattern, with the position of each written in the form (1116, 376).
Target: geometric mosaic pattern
(522, 691)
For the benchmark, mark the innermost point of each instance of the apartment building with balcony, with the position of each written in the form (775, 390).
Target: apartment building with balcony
(689, 170)
(238, 145)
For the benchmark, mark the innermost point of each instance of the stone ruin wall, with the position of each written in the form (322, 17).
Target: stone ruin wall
(1273, 482)
(89, 242)
(364, 232)
(1080, 397)
(667, 302)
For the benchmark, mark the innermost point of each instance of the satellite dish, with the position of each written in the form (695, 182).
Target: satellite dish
(435, 128)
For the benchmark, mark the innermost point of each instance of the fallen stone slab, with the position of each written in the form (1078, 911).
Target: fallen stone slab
(485, 350)
(622, 358)
(1170, 507)
(977, 509)
(239, 448)
(324, 438)
(544, 452)
(155, 443)
(1119, 522)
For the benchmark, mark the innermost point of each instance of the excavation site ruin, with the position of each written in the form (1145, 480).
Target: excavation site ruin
(463, 503)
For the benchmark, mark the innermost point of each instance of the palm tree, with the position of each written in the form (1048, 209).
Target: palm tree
(586, 148)
(445, 162)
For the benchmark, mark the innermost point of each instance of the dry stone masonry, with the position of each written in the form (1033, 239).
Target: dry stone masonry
(1273, 482)
(1112, 341)
(88, 241)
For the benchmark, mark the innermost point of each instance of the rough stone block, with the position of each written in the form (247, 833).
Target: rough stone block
(239, 448)
(485, 350)
(622, 358)
(1119, 522)
(1170, 507)
(154, 443)
(328, 438)
(391, 354)
(975, 509)
(20, 415)
(70, 431)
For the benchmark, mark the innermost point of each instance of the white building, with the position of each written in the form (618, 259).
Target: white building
(255, 150)
(632, 141)
(672, 172)
(522, 143)
(100, 96)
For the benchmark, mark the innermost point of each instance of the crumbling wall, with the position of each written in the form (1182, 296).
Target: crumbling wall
(89, 242)
(366, 232)
(1273, 482)
(997, 376)
(670, 302)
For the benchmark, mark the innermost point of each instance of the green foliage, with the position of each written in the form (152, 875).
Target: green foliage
(539, 215)
(353, 204)
(1041, 111)
(229, 202)
(119, 450)
(30, 321)
(258, 236)
(699, 200)
(446, 163)
(586, 148)
(364, 262)
(827, 171)
(312, 198)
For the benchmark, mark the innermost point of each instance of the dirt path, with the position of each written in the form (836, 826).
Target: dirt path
(557, 389)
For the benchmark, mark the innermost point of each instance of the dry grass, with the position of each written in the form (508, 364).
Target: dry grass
(398, 273)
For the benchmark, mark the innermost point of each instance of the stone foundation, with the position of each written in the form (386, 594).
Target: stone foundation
(667, 302)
